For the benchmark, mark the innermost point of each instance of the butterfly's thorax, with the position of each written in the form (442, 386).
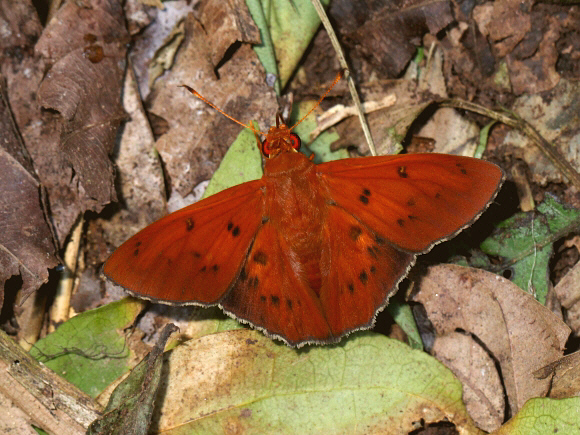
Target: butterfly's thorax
(294, 205)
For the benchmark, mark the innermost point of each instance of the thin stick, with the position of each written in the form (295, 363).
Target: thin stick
(351, 85)
(514, 121)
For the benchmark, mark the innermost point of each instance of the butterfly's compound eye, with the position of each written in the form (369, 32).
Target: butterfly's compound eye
(295, 140)
(266, 148)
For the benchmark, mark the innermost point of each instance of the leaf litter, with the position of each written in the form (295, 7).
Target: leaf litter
(64, 86)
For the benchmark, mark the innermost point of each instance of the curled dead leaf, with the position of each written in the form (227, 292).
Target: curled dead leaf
(518, 332)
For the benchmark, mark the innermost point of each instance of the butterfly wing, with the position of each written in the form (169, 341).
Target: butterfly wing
(273, 294)
(413, 200)
(362, 271)
(192, 255)
(384, 210)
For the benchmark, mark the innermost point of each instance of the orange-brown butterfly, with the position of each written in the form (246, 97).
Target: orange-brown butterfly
(308, 253)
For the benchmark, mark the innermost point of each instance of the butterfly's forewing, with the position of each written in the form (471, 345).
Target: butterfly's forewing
(194, 254)
(273, 295)
(414, 200)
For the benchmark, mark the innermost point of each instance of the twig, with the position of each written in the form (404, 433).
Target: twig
(351, 85)
(59, 312)
(550, 151)
(337, 113)
(50, 401)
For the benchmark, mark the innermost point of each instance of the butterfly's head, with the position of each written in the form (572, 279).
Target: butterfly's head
(280, 139)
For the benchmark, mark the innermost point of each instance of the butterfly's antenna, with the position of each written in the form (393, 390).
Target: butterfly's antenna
(202, 98)
(336, 80)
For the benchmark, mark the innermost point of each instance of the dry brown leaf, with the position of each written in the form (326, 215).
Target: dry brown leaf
(140, 176)
(225, 23)
(520, 334)
(86, 44)
(537, 73)
(568, 293)
(474, 367)
(364, 23)
(26, 245)
(566, 380)
(198, 136)
(554, 115)
(451, 132)
(505, 32)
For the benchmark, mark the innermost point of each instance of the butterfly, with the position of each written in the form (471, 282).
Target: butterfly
(310, 252)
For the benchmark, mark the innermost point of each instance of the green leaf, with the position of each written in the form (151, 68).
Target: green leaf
(525, 243)
(366, 384)
(265, 50)
(286, 27)
(242, 162)
(90, 350)
(545, 416)
(403, 316)
(319, 146)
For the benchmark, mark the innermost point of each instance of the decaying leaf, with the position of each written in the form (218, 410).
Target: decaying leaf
(568, 293)
(566, 372)
(188, 149)
(390, 51)
(131, 405)
(26, 246)
(85, 47)
(482, 389)
(518, 332)
(240, 381)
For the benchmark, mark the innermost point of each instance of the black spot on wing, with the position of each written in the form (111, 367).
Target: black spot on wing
(260, 258)
(363, 277)
(189, 224)
(275, 300)
(234, 229)
(402, 172)
(401, 222)
(354, 232)
(364, 198)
